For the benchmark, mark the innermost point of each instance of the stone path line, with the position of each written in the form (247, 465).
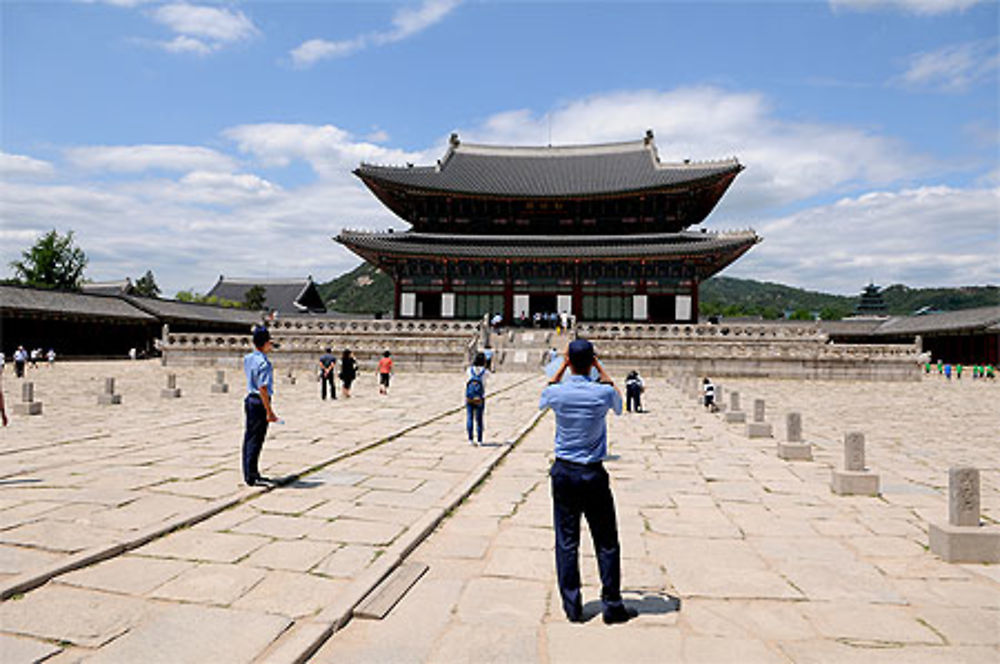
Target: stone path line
(275, 572)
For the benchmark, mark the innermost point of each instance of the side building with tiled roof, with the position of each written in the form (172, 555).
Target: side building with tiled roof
(597, 231)
(286, 296)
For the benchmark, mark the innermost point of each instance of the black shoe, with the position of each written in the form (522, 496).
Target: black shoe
(619, 615)
(264, 481)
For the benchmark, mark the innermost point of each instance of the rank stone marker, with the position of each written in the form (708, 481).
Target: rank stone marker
(963, 539)
(735, 415)
(28, 405)
(220, 386)
(759, 428)
(855, 479)
(109, 398)
(793, 449)
(171, 391)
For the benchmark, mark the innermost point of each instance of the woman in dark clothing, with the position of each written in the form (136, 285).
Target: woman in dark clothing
(348, 372)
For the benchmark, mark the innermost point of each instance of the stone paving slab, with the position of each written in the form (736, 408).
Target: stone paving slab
(768, 565)
(289, 554)
(110, 482)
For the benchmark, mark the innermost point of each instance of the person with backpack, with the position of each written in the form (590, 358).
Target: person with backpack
(475, 397)
(634, 387)
(708, 389)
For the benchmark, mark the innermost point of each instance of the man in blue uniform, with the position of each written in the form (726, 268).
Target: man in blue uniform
(580, 483)
(257, 405)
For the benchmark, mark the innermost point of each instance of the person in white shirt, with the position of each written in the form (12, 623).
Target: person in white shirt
(51, 357)
(634, 387)
(708, 389)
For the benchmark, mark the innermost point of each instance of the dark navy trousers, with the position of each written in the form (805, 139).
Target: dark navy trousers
(474, 412)
(253, 438)
(584, 489)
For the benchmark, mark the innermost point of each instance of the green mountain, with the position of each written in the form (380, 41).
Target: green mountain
(366, 290)
(363, 290)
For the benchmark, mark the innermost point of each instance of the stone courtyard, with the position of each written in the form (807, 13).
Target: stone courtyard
(126, 535)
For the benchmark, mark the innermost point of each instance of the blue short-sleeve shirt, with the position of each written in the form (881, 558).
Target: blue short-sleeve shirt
(259, 372)
(581, 406)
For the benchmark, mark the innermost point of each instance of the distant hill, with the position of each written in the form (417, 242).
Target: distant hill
(365, 290)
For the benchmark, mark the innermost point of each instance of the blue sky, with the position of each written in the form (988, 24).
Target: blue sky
(201, 138)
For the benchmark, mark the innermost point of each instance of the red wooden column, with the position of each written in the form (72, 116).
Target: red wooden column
(508, 295)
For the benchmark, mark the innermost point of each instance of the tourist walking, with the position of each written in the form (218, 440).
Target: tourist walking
(384, 372)
(35, 354)
(327, 363)
(50, 357)
(258, 405)
(488, 354)
(348, 371)
(475, 398)
(20, 359)
(708, 389)
(634, 387)
(579, 481)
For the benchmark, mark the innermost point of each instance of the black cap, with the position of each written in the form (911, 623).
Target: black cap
(581, 353)
(261, 336)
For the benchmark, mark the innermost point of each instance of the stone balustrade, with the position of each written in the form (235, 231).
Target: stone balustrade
(750, 350)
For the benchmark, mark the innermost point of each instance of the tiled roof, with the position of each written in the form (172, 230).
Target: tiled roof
(121, 287)
(550, 171)
(979, 319)
(24, 299)
(287, 296)
(544, 246)
(172, 311)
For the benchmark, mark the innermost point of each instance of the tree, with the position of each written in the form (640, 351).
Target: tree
(146, 285)
(53, 262)
(831, 313)
(255, 297)
(801, 314)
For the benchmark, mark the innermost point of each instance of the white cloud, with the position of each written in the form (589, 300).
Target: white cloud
(953, 68)
(214, 23)
(405, 23)
(185, 44)
(921, 7)
(926, 236)
(786, 161)
(330, 150)
(215, 214)
(138, 158)
(201, 29)
(16, 166)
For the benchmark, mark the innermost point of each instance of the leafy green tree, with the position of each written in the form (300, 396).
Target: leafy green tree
(52, 262)
(831, 313)
(801, 314)
(146, 285)
(255, 297)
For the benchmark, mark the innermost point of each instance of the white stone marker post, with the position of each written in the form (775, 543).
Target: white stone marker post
(793, 449)
(855, 479)
(962, 539)
(28, 405)
(171, 391)
(735, 415)
(220, 386)
(109, 398)
(759, 428)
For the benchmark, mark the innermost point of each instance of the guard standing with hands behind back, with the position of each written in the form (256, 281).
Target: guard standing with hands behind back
(257, 405)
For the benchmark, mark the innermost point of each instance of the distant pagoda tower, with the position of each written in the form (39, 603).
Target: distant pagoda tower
(871, 304)
(597, 231)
